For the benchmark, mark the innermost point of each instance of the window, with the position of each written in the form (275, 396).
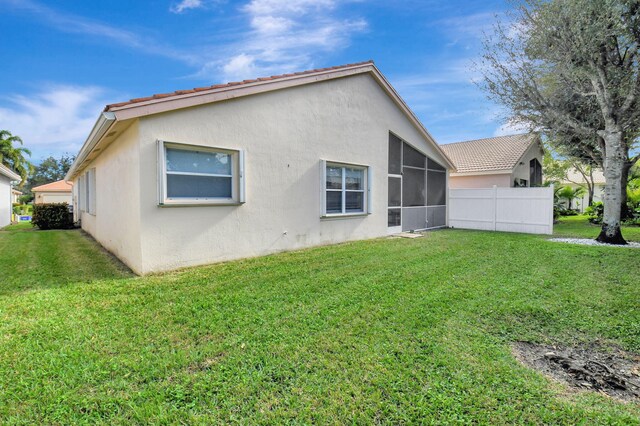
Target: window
(535, 172)
(90, 185)
(82, 203)
(191, 175)
(345, 189)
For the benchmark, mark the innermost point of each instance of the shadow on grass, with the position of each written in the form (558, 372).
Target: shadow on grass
(34, 259)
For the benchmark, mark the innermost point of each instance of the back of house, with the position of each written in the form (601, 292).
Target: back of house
(255, 167)
(503, 161)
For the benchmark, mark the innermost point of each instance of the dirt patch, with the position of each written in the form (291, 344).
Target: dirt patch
(613, 372)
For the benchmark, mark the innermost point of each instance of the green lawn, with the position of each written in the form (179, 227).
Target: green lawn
(382, 331)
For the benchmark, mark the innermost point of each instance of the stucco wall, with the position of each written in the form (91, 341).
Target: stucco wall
(116, 224)
(480, 181)
(521, 171)
(5, 201)
(285, 134)
(53, 197)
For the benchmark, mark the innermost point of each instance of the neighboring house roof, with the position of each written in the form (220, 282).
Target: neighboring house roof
(106, 128)
(5, 171)
(58, 186)
(575, 177)
(15, 191)
(501, 153)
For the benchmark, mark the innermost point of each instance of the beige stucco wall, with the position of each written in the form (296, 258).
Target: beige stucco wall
(116, 224)
(53, 197)
(285, 134)
(480, 181)
(5, 201)
(521, 171)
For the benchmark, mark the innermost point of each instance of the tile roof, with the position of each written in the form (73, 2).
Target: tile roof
(482, 155)
(58, 186)
(230, 84)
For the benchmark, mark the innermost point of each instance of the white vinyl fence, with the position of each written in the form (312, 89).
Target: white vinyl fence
(528, 210)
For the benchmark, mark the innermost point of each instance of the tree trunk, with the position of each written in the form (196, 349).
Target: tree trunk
(591, 186)
(613, 164)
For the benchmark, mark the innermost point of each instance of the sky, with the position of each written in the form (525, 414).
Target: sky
(64, 60)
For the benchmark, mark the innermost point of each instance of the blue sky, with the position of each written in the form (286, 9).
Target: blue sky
(64, 60)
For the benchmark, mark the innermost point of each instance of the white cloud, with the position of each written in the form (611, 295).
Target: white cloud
(300, 7)
(55, 120)
(284, 36)
(70, 23)
(186, 5)
(240, 65)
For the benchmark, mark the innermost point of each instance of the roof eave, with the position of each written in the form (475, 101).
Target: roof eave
(104, 122)
(130, 111)
(5, 171)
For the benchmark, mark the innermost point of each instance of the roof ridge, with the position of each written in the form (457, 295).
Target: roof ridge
(233, 83)
(484, 139)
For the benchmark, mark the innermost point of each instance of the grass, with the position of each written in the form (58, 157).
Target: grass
(579, 227)
(382, 331)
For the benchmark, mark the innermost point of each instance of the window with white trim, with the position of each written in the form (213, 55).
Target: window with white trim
(90, 185)
(192, 175)
(82, 193)
(345, 189)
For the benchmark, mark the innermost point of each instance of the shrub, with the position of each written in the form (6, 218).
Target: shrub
(595, 212)
(52, 216)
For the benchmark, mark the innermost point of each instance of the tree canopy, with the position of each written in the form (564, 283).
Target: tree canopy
(13, 155)
(571, 69)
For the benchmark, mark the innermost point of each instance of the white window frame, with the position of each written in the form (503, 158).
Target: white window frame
(90, 185)
(366, 189)
(82, 193)
(237, 176)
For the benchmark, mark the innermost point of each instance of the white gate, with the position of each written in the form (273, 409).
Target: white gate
(528, 210)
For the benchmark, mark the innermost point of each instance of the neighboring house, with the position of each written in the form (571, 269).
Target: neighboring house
(255, 167)
(15, 194)
(55, 192)
(504, 161)
(7, 178)
(576, 179)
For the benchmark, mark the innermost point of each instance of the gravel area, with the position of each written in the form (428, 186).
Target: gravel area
(590, 242)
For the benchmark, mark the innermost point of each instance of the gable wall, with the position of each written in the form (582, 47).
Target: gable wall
(521, 171)
(284, 134)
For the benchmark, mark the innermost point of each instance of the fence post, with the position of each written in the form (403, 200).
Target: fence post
(495, 206)
(551, 189)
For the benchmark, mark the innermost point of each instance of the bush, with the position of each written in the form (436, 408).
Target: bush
(595, 212)
(52, 216)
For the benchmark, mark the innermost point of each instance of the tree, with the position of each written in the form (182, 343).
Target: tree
(568, 193)
(558, 163)
(571, 68)
(12, 155)
(51, 169)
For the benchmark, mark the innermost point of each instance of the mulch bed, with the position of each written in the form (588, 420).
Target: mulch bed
(611, 371)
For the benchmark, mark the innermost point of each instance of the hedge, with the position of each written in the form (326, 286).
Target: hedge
(52, 216)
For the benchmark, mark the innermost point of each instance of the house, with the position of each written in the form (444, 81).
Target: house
(254, 167)
(576, 179)
(7, 178)
(60, 191)
(15, 194)
(503, 161)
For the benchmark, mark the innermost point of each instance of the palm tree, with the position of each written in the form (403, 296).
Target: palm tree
(569, 194)
(12, 154)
